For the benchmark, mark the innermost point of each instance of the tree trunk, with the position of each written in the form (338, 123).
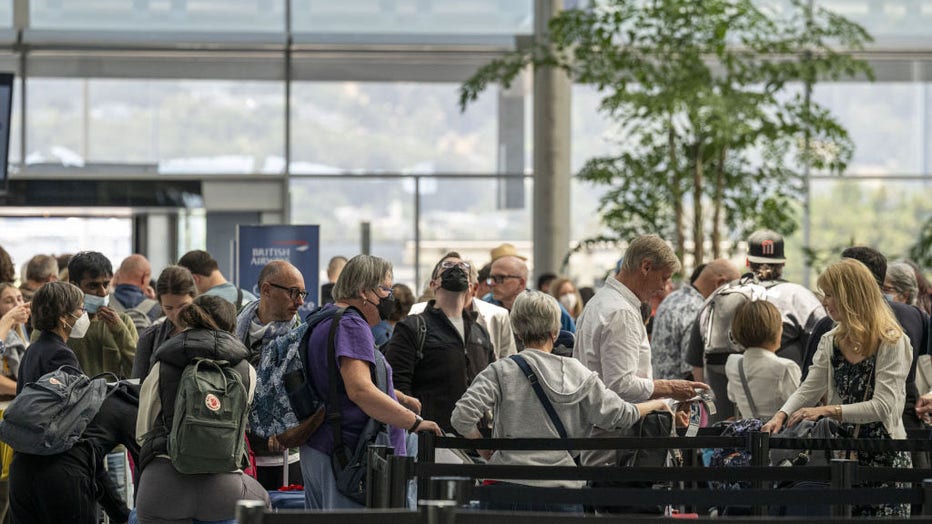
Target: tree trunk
(717, 203)
(698, 237)
(676, 192)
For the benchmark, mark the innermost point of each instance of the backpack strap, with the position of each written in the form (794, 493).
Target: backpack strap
(539, 391)
(747, 390)
(239, 299)
(421, 336)
(334, 416)
(146, 306)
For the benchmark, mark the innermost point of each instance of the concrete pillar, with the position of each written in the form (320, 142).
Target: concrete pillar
(551, 216)
(511, 135)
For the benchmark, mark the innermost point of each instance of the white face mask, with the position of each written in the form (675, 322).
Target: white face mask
(79, 329)
(568, 300)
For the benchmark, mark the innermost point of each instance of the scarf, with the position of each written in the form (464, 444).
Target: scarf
(273, 330)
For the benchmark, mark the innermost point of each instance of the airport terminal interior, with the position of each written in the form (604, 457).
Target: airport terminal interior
(156, 126)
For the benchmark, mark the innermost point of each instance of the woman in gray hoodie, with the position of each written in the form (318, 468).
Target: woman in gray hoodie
(579, 397)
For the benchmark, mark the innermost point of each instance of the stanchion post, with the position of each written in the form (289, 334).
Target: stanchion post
(438, 511)
(843, 473)
(249, 511)
(451, 488)
(378, 476)
(759, 443)
(402, 469)
(425, 455)
(927, 497)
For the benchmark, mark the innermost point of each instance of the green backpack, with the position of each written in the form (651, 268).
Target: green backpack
(209, 423)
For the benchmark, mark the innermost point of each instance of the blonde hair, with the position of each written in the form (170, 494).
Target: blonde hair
(652, 248)
(866, 319)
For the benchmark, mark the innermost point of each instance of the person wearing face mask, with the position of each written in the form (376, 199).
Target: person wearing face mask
(66, 487)
(436, 354)
(364, 289)
(110, 342)
(174, 289)
(565, 292)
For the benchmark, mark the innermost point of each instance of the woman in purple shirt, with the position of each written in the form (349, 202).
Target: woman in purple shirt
(365, 288)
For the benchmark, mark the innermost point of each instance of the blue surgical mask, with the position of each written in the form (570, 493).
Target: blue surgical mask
(92, 302)
(888, 296)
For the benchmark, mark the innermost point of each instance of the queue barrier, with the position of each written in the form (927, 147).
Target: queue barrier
(446, 488)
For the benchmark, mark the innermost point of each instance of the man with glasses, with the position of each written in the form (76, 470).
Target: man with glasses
(281, 293)
(434, 355)
(508, 279)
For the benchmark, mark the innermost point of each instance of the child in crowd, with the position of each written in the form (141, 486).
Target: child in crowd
(759, 381)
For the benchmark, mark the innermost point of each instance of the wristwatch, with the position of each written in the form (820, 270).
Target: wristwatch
(417, 422)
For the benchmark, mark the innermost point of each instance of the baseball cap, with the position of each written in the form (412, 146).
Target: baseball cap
(766, 247)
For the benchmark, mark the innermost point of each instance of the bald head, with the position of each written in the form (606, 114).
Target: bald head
(716, 273)
(509, 279)
(280, 285)
(135, 270)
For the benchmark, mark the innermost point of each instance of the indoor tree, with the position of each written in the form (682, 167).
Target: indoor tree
(712, 105)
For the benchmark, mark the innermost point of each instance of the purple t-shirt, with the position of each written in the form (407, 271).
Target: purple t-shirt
(353, 340)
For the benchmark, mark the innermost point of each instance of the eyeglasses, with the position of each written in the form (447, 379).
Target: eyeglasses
(390, 291)
(293, 292)
(82, 309)
(447, 264)
(498, 279)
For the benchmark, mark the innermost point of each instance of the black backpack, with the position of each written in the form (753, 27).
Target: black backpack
(50, 415)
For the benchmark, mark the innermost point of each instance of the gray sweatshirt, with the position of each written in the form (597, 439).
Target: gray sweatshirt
(578, 396)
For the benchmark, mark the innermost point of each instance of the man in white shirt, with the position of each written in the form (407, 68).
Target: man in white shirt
(611, 338)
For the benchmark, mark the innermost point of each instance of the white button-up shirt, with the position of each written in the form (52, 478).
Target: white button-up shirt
(611, 340)
(771, 380)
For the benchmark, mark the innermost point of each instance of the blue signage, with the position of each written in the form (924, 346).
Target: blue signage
(256, 246)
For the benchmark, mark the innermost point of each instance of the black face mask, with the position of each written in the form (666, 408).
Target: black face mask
(386, 307)
(454, 279)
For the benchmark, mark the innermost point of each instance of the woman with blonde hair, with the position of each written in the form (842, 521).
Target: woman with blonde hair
(861, 366)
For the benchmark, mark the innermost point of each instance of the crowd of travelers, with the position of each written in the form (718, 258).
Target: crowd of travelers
(478, 354)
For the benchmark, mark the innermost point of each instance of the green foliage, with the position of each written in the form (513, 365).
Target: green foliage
(711, 98)
(921, 252)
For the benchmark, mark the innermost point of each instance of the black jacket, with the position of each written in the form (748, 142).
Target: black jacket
(149, 340)
(48, 353)
(448, 364)
(173, 356)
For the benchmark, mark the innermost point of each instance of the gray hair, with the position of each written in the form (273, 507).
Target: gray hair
(902, 278)
(361, 273)
(653, 249)
(41, 267)
(53, 301)
(535, 316)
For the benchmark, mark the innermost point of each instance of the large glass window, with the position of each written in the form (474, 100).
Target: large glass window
(883, 214)
(176, 126)
(887, 122)
(438, 17)
(247, 16)
(397, 127)
(341, 205)
(886, 18)
(24, 237)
